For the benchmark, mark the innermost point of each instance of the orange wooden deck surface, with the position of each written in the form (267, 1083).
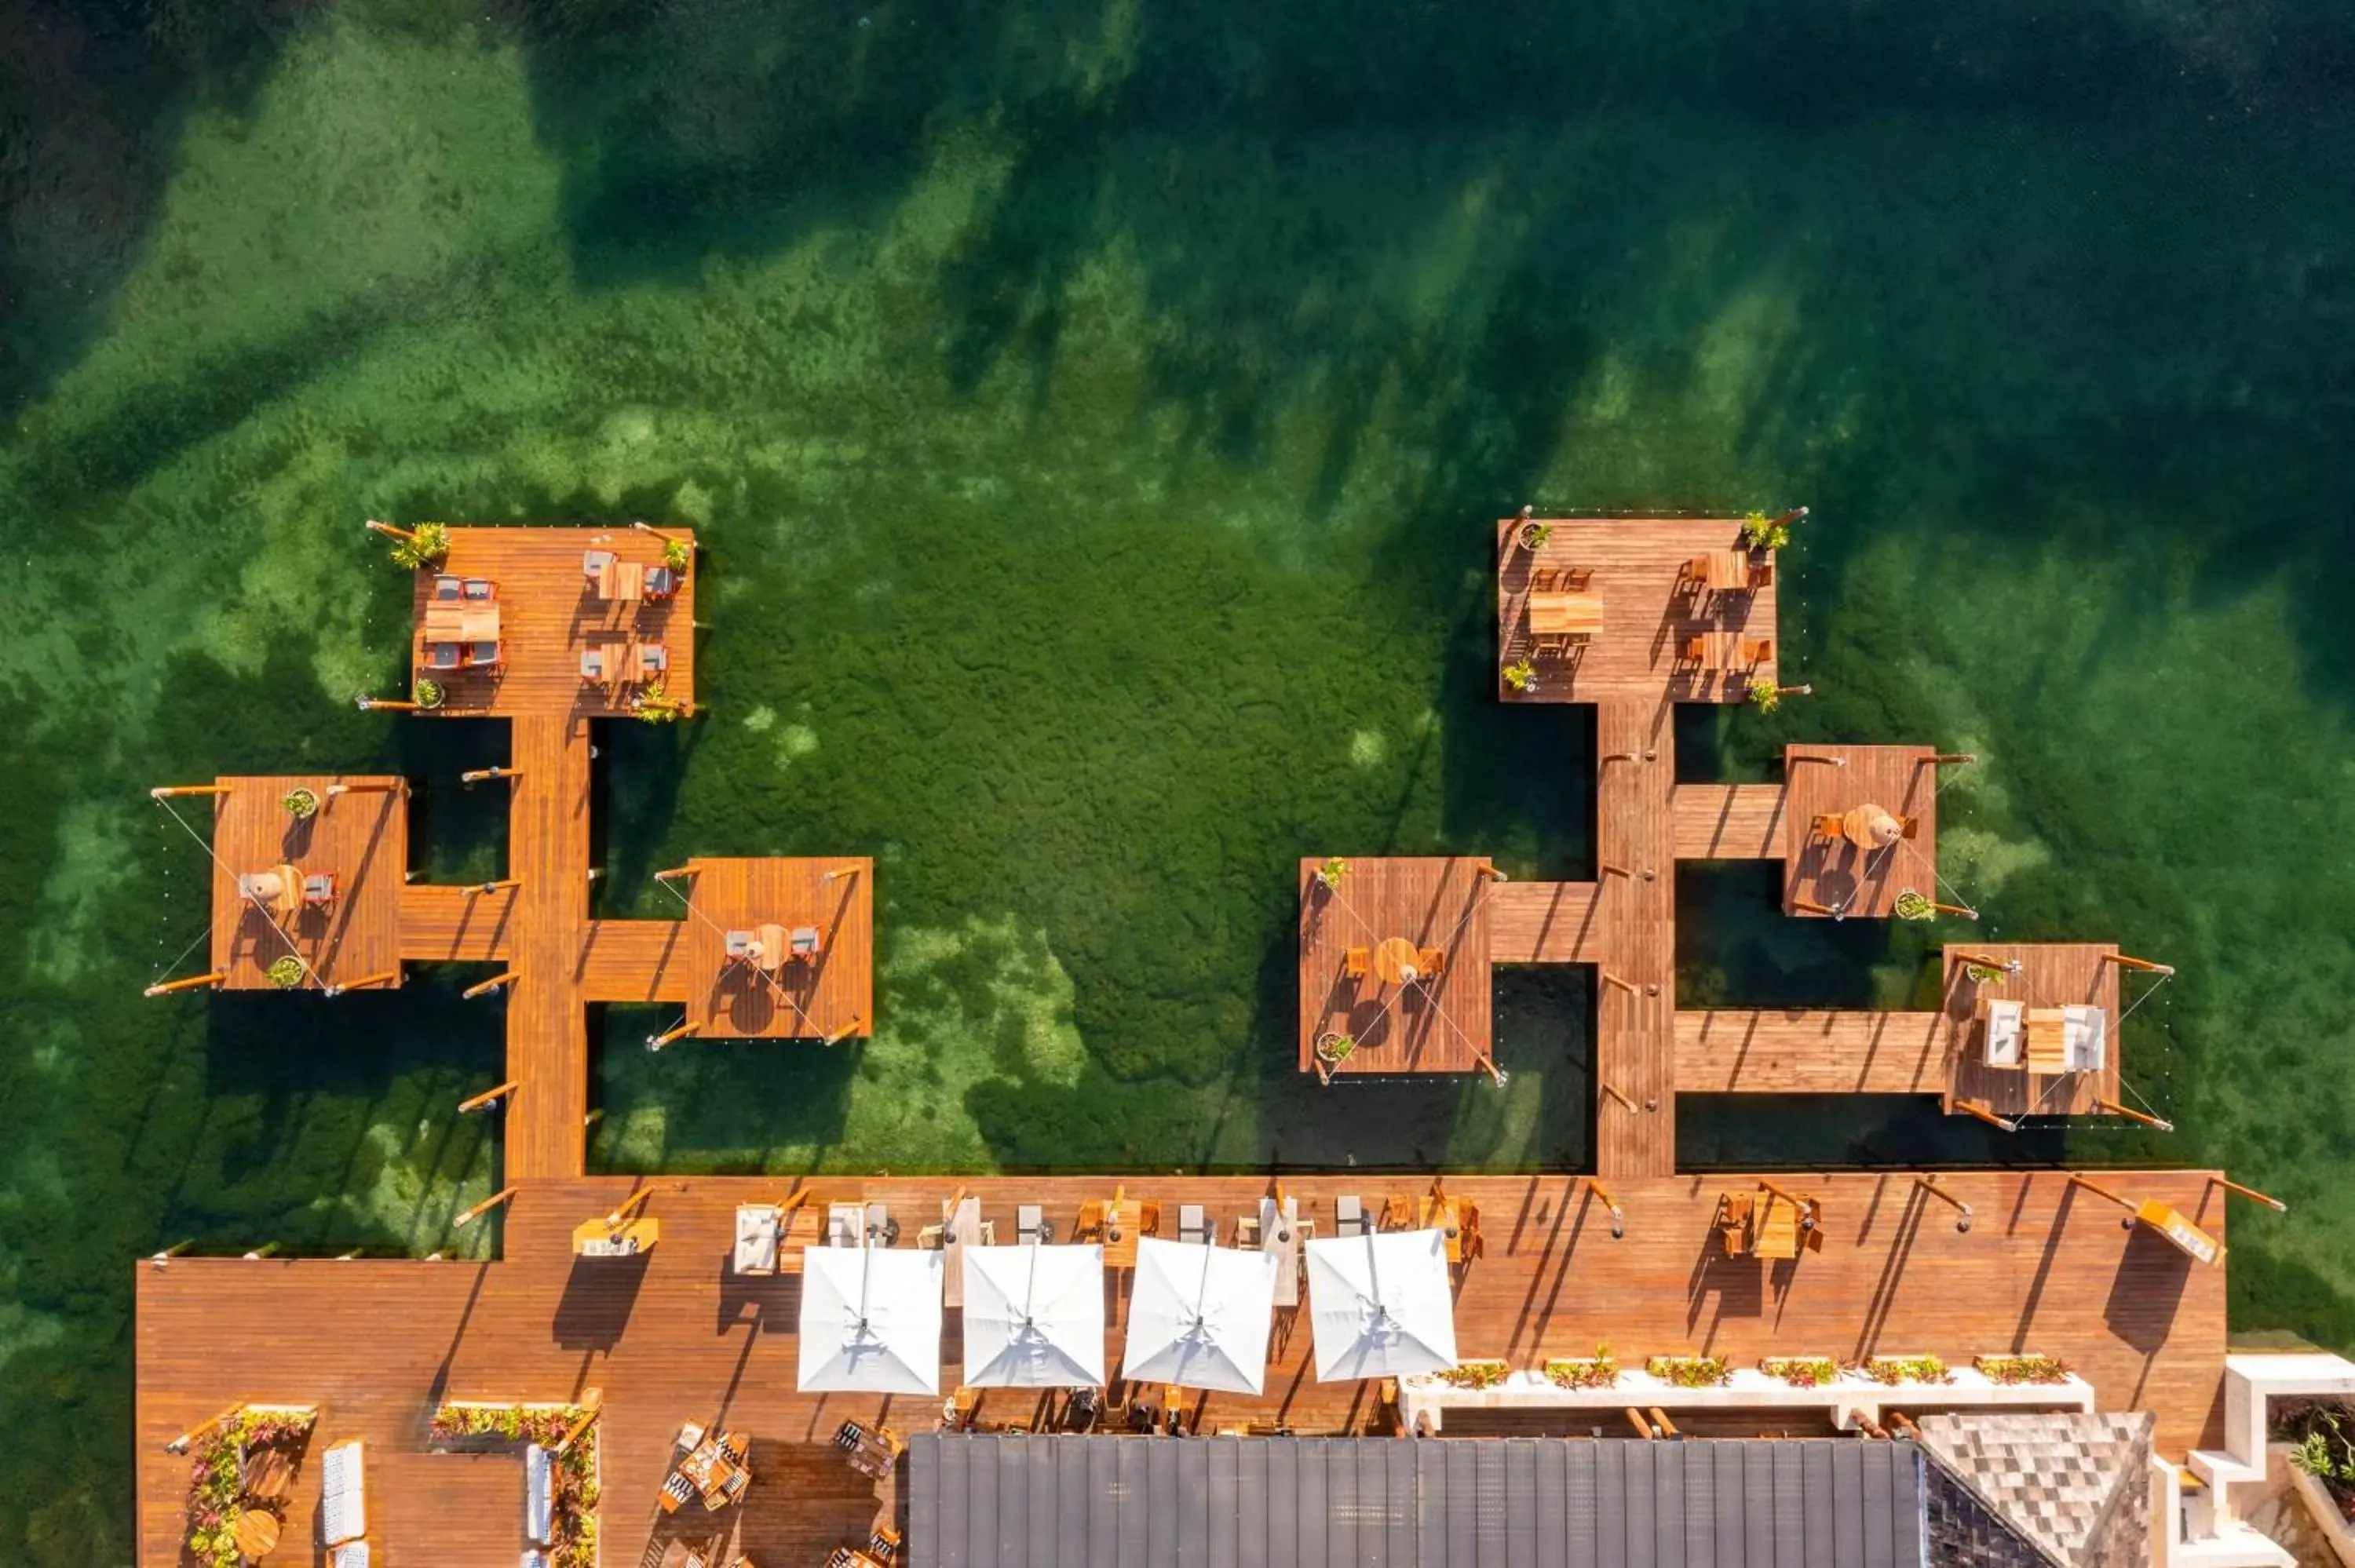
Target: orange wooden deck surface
(360, 838)
(1834, 872)
(1438, 1025)
(441, 923)
(2052, 974)
(1811, 1052)
(550, 612)
(675, 1337)
(802, 1000)
(1650, 610)
(1634, 1045)
(1729, 822)
(1543, 923)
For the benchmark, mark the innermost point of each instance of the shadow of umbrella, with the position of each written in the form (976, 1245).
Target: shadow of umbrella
(599, 1296)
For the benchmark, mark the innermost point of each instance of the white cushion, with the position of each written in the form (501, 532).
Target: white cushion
(2086, 1030)
(538, 1493)
(2006, 1030)
(343, 1494)
(350, 1554)
(756, 1238)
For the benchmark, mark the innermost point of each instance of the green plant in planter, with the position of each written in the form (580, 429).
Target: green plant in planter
(1760, 532)
(301, 802)
(677, 555)
(1601, 1371)
(1765, 695)
(1983, 973)
(1519, 673)
(1801, 1371)
(1535, 535)
(1911, 905)
(429, 693)
(285, 973)
(1475, 1374)
(1335, 1048)
(1690, 1371)
(425, 546)
(1332, 872)
(654, 705)
(2023, 1369)
(1890, 1370)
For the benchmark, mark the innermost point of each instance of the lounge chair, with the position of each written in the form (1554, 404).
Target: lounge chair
(538, 1494)
(2086, 1029)
(2005, 1025)
(1349, 1217)
(689, 1435)
(1191, 1224)
(342, 1492)
(1030, 1226)
(845, 1224)
(350, 1554)
(757, 1230)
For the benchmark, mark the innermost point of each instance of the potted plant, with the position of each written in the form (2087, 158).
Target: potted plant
(1760, 532)
(302, 801)
(1690, 1371)
(1534, 535)
(654, 705)
(429, 693)
(1800, 1371)
(1329, 874)
(1477, 1374)
(1599, 1371)
(285, 973)
(1911, 905)
(2010, 1369)
(1519, 673)
(677, 555)
(1334, 1049)
(420, 548)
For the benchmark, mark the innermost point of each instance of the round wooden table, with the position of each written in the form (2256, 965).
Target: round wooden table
(1868, 827)
(268, 1475)
(1394, 961)
(256, 1533)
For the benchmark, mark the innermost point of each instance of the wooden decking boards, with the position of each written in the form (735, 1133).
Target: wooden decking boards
(1822, 871)
(1440, 1024)
(359, 837)
(674, 1336)
(829, 997)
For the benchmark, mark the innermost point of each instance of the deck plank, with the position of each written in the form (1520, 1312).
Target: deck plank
(1444, 1024)
(359, 837)
(1729, 822)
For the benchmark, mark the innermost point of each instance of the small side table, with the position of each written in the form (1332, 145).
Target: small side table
(256, 1533)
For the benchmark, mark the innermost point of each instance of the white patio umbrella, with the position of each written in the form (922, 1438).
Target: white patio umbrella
(1198, 1316)
(1034, 1316)
(870, 1320)
(1381, 1305)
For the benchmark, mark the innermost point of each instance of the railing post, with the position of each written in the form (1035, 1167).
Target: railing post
(2114, 1108)
(173, 791)
(844, 1033)
(656, 1041)
(2276, 1204)
(1985, 1113)
(166, 988)
(2124, 962)
(485, 1207)
(1929, 1184)
(1618, 1215)
(384, 977)
(485, 988)
(488, 1096)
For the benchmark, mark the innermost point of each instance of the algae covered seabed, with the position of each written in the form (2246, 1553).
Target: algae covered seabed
(1094, 414)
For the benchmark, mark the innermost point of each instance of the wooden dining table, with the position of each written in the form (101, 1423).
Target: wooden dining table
(467, 620)
(621, 580)
(1565, 614)
(706, 1467)
(960, 1228)
(1394, 960)
(1725, 571)
(1117, 1223)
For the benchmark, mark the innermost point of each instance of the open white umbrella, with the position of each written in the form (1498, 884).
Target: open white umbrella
(870, 1320)
(1034, 1316)
(1381, 1305)
(1198, 1316)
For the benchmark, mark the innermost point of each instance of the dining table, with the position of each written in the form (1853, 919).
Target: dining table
(1565, 614)
(1725, 571)
(1121, 1218)
(1395, 960)
(960, 1228)
(706, 1467)
(1279, 1237)
(1440, 1212)
(621, 580)
(468, 620)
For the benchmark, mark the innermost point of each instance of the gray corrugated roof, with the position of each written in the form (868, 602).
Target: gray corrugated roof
(1018, 1501)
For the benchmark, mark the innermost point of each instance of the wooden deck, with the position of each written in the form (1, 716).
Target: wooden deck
(1634, 1045)
(455, 924)
(359, 837)
(1811, 1052)
(550, 614)
(1651, 611)
(1826, 781)
(1440, 1024)
(1543, 923)
(827, 999)
(2052, 974)
(675, 1337)
(1730, 821)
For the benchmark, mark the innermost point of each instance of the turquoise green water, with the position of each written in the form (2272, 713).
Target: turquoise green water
(1093, 414)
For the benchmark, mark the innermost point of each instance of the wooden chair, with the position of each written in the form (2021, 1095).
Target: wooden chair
(676, 1489)
(1828, 825)
(1695, 651)
(1348, 1216)
(1756, 650)
(1907, 827)
(1430, 962)
(1762, 571)
(1357, 962)
(1398, 1213)
(481, 591)
(319, 890)
(1467, 1223)
(884, 1543)
(1091, 1222)
(449, 589)
(1732, 1221)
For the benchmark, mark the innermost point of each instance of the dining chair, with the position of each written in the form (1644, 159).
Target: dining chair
(441, 656)
(1357, 962)
(318, 889)
(1192, 1225)
(804, 943)
(1348, 1216)
(1030, 1225)
(592, 663)
(481, 591)
(1828, 825)
(448, 589)
(484, 656)
(1756, 650)
(1430, 962)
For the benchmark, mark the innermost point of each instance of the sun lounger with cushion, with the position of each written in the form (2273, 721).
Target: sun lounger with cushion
(342, 1492)
(538, 1494)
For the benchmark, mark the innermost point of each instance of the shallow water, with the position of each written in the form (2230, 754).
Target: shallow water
(1093, 414)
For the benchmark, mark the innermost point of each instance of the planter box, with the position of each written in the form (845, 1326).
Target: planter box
(1845, 1397)
(2337, 1533)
